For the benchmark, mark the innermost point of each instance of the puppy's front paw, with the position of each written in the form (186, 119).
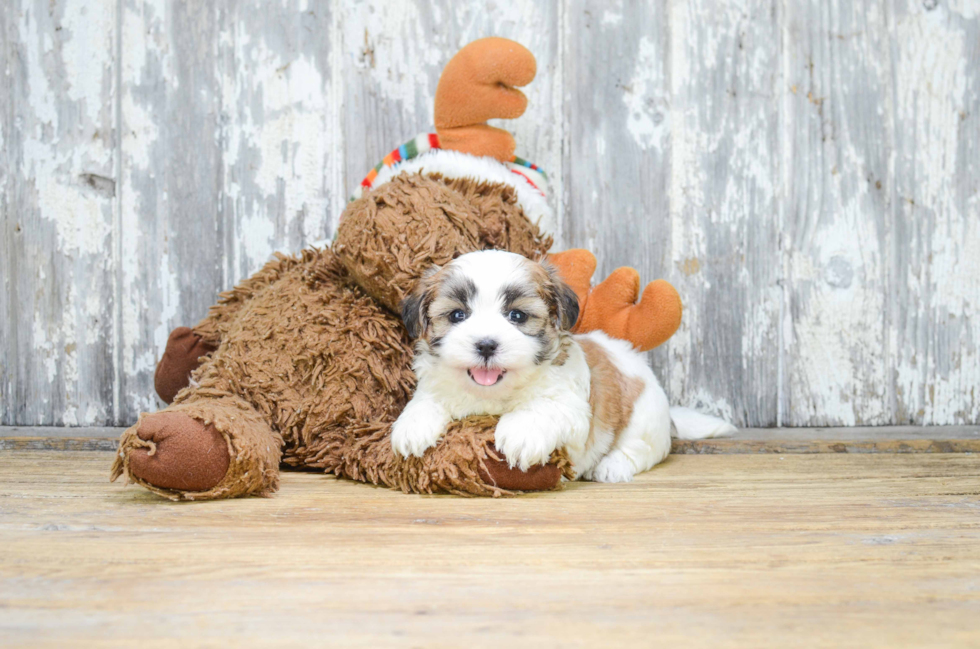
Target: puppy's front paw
(615, 467)
(416, 430)
(525, 439)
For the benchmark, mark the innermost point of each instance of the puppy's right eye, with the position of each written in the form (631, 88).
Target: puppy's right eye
(457, 316)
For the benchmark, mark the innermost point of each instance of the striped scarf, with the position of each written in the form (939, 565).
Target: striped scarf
(534, 175)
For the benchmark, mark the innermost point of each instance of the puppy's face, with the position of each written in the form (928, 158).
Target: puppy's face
(490, 316)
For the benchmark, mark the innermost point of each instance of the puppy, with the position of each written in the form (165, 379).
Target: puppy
(493, 338)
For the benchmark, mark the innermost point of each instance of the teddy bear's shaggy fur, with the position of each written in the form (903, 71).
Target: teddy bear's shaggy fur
(306, 362)
(311, 365)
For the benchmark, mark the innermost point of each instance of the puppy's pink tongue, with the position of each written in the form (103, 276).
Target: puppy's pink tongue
(485, 376)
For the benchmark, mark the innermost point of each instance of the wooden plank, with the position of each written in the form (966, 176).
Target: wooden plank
(935, 310)
(705, 144)
(393, 56)
(58, 444)
(56, 211)
(230, 149)
(861, 433)
(836, 152)
(703, 551)
(617, 119)
(59, 431)
(814, 443)
(171, 230)
(883, 439)
(725, 223)
(851, 433)
(282, 166)
(808, 443)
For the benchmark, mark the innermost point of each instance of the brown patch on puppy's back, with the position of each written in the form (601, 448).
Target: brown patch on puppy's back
(612, 394)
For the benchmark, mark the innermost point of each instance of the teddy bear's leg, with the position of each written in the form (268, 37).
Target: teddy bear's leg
(464, 462)
(204, 447)
(183, 354)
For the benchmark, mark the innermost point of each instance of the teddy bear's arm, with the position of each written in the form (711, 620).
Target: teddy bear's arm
(616, 306)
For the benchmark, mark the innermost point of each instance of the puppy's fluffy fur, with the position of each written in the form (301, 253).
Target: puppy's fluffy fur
(493, 338)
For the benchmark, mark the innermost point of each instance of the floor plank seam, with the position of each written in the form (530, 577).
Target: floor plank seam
(724, 446)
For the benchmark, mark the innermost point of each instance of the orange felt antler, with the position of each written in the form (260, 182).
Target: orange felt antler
(479, 84)
(612, 305)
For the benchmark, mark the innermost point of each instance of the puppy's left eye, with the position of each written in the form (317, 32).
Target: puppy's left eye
(517, 317)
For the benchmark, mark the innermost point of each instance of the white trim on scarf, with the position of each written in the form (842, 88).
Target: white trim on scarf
(453, 164)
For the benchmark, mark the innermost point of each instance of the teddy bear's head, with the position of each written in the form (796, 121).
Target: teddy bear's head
(391, 235)
(455, 191)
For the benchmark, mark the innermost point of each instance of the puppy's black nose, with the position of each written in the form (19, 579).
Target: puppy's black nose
(486, 348)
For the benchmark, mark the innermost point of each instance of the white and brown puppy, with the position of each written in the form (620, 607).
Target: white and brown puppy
(493, 338)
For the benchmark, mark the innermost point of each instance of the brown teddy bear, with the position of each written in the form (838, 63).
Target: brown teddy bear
(306, 362)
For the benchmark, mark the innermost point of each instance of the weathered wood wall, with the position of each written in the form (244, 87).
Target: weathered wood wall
(807, 173)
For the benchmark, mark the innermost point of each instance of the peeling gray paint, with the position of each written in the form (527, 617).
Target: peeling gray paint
(56, 133)
(806, 174)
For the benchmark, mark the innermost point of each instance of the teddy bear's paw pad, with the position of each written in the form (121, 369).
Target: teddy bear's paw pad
(180, 358)
(541, 477)
(179, 452)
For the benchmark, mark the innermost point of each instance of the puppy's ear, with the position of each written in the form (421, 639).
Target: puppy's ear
(415, 307)
(561, 299)
(413, 314)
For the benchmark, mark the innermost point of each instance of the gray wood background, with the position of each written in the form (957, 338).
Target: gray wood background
(804, 172)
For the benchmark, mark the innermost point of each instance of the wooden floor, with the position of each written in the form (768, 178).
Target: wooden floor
(720, 550)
